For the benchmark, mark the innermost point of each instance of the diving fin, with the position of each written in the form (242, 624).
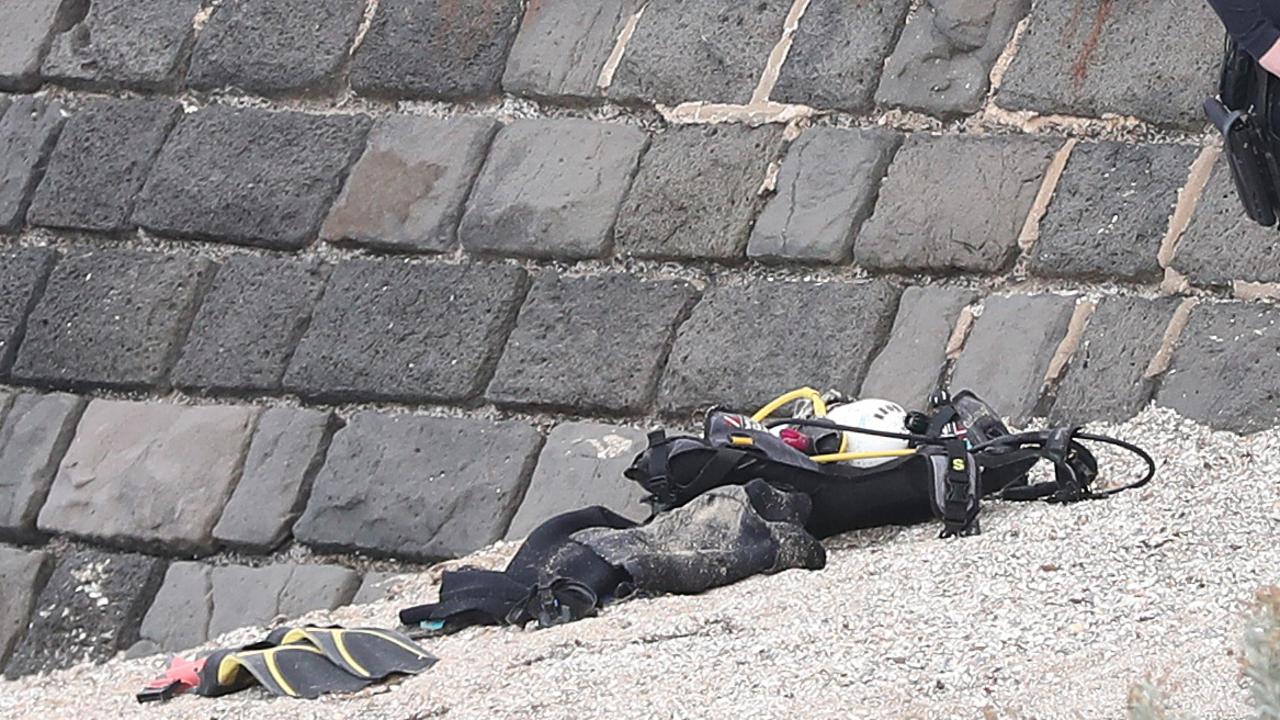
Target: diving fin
(296, 662)
(369, 653)
(296, 670)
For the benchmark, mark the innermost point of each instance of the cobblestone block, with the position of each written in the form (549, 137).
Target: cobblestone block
(436, 49)
(552, 189)
(409, 189)
(1106, 379)
(581, 465)
(827, 188)
(838, 53)
(149, 475)
(942, 64)
(378, 586)
(286, 453)
(1076, 58)
(954, 203)
(33, 438)
(1226, 369)
(743, 346)
(1008, 352)
(697, 192)
(1111, 210)
(111, 318)
(251, 320)
(198, 602)
(250, 176)
(178, 618)
(23, 274)
(244, 596)
(139, 44)
(590, 343)
(28, 131)
(22, 575)
(684, 50)
(282, 46)
(1222, 244)
(100, 162)
(24, 36)
(420, 488)
(396, 332)
(88, 610)
(562, 46)
(909, 367)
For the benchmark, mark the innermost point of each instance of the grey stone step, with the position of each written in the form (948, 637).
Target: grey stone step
(150, 476)
(420, 488)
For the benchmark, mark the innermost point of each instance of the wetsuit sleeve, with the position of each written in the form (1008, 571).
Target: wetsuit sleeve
(1247, 24)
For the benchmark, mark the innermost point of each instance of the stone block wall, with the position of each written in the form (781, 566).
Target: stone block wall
(286, 286)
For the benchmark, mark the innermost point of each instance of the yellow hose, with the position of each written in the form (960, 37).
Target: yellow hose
(871, 455)
(819, 406)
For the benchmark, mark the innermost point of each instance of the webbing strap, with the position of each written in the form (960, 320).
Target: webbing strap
(960, 498)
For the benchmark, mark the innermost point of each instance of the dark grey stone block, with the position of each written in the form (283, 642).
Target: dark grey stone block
(1226, 369)
(88, 610)
(100, 162)
(827, 188)
(286, 453)
(282, 46)
(149, 475)
(417, 487)
(406, 332)
(139, 44)
(1110, 211)
(562, 46)
(685, 50)
(942, 64)
(590, 343)
(250, 176)
(743, 345)
(24, 38)
(1221, 244)
(581, 465)
(1076, 58)
(909, 367)
(28, 131)
(377, 586)
(1008, 352)
(23, 274)
(1106, 378)
(697, 192)
(954, 203)
(436, 49)
(111, 318)
(22, 576)
(838, 53)
(251, 320)
(552, 189)
(178, 618)
(409, 189)
(33, 438)
(244, 596)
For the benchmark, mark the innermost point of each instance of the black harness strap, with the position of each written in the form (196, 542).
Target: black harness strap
(960, 503)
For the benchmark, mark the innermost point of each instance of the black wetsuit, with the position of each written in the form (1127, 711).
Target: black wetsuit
(1255, 24)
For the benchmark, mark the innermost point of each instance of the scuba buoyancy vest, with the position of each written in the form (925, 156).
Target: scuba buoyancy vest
(958, 453)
